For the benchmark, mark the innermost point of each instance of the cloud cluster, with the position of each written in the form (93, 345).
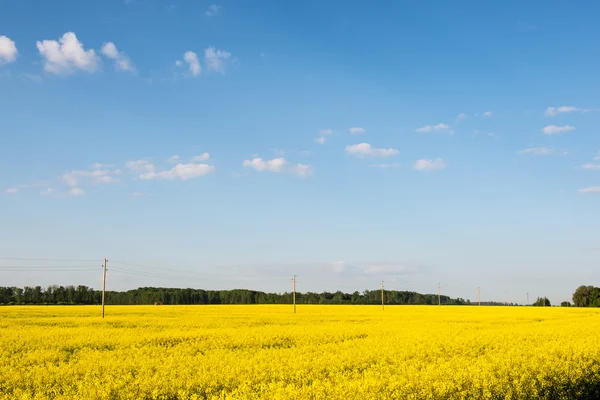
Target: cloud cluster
(278, 164)
(214, 60)
(184, 171)
(365, 150)
(67, 55)
(8, 50)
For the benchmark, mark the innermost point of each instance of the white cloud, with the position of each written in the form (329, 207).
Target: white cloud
(178, 63)
(552, 111)
(460, 117)
(432, 128)
(593, 189)
(12, 190)
(140, 166)
(538, 151)
(337, 266)
(180, 171)
(73, 178)
(429, 165)
(302, 170)
(8, 50)
(323, 132)
(192, 59)
(553, 129)
(47, 192)
(365, 150)
(201, 157)
(386, 166)
(356, 130)
(66, 55)
(278, 164)
(174, 159)
(213, 10)
(140, 194)
(488, 114)
(597, 156)
(591, 166)
(75, 192)
(215, 59)
(122, 61)
(274, 165)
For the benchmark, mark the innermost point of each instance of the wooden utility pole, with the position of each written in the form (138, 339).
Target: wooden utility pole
(382, 301)
(294, 291)
(439, 295)
(103, 285)
(479, 295)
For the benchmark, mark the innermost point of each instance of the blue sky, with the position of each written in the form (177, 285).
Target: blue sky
(233, 144)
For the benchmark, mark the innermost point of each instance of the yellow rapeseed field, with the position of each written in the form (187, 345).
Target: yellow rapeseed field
(322, 352)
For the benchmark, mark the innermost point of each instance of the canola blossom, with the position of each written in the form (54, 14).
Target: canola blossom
(322, 352)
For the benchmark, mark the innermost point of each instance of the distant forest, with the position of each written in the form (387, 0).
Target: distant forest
(151, 295)
(584, 296)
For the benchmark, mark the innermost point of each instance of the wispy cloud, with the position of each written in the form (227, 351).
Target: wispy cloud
(8, 50)
(322, 134)
(216, 60)
(387, 165)
(433, 128)
(591, 166)
(553, 129)
(538, 151)
(356, 130)
(66, 55)
(365, 150)
(488, 114)
(429, 165)
(122, 61)
(460, 117)
(593, 189)
(96, 175)
(553, 111)
(12, 190)
(201, 157)
(213, 10)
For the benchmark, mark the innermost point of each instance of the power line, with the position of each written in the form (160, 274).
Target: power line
(47, 259)
(174, 270)
(47, 269)
(46, 266)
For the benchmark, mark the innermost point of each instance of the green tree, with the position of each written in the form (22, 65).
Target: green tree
(542, 302)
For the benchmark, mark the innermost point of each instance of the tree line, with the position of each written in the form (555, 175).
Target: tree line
(150, 295)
